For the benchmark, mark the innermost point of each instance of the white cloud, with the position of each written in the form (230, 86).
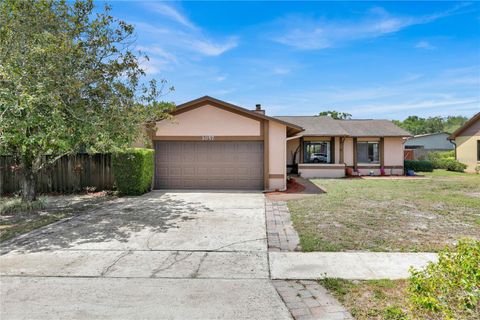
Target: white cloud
(312, 34)
(180, 35)
(209, 48)
(424, 45)
(281, 70)
(171, 13)
(221, 78)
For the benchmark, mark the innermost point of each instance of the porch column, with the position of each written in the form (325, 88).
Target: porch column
(332, 150)
(382, 152)
(355, 160)
(342, 153)
(301, 150)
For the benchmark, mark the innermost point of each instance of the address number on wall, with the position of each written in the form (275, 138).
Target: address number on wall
(208, 138)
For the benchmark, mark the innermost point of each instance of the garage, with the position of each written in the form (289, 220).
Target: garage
(207, 143)
(209, 165)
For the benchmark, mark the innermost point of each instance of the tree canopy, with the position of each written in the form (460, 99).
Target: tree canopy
(417, 125)
(336, 115)
(69, 81)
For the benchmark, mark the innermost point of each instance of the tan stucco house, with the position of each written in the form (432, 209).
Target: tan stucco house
(212, 144)
(467, 143)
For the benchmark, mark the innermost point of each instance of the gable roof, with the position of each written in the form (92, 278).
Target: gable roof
(326, 126)
(466, 125)
(190, 105)
(429, 134)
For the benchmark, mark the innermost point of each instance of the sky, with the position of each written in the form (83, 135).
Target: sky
(374, 60)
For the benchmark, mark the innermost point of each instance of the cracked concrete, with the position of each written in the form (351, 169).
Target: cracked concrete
(164, 255)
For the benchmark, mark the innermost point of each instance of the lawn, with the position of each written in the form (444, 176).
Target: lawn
(389, 215)
(17, 219)
(371, 300)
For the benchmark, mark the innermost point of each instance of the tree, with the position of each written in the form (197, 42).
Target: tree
(417, 125)
(69, 81)
(336, 115)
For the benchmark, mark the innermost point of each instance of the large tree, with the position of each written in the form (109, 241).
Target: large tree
(69, 81)
(336, 115)
(417, 125)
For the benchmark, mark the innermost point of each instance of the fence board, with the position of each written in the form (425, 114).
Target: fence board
(69, 174)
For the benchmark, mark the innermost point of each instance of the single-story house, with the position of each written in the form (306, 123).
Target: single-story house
(212, 144)
(422, 144)
(467, 143)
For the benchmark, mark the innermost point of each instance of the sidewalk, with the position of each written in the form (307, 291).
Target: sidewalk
(346, 265)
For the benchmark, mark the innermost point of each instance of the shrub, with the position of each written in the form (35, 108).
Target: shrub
(418, 165)
(133, 170)
(450, 288)
(446, 160)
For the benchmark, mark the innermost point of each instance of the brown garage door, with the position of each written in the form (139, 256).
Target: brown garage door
(209, 165)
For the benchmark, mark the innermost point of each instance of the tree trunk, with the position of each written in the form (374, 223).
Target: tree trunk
(29, 188)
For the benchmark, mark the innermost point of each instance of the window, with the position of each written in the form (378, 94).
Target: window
(316, 152)
(367, 152)
(478, 150)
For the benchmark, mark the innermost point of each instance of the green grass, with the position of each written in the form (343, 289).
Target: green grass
(389, 215)
(374, 299)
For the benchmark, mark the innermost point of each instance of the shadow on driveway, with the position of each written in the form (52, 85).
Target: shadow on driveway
(115, 220)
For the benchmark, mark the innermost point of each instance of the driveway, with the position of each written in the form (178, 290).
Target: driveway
(164, 255)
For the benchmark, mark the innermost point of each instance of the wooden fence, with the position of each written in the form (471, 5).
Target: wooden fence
(69, 174)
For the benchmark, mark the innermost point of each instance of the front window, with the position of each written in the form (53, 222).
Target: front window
(367, 152)
(316, 152)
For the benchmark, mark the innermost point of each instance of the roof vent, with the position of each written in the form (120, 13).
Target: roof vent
(258, 109)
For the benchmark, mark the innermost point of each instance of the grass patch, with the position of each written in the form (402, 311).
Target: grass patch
(15, 205)
(389, 215)
(375, 299)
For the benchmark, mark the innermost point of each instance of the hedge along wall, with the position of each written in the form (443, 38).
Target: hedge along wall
(133, 170)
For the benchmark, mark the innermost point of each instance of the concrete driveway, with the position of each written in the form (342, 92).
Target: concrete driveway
(164, 255)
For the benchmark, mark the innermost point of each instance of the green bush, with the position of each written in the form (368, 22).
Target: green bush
(133, 171)
(450, 288)
(418, 165)
(446, 160)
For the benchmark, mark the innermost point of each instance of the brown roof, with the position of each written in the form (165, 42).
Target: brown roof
(466, 125)
(292, 128)
(326, 126)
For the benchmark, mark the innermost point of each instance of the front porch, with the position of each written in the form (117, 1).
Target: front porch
(337, 156)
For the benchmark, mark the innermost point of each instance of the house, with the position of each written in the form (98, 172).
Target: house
(422, 144)
(467, 143)
(212, 144)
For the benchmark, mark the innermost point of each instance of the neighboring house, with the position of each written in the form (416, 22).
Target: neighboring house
(212, 144)
(422, 144)
(467, 143)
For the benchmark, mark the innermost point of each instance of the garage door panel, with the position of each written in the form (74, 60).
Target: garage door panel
(209, 165)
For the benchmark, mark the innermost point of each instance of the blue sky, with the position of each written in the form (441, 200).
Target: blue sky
(371, 59)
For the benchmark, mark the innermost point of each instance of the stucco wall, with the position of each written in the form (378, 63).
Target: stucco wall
(467, 151)
(393, 152)
(208, 121)
(348, 151)
(321, 170)
(292, 146)
(277, 154)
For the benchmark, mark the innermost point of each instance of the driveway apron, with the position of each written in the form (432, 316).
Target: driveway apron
(164, 255)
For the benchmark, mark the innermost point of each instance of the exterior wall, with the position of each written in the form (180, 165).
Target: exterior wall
(393, 152)
(198, 122)
(277, 155)
(348, 151)
(467, 146)
(467, 151)
(434, 142)
(313, 170)
(292, 146)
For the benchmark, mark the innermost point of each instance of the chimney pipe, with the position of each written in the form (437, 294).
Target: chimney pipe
(258, 109)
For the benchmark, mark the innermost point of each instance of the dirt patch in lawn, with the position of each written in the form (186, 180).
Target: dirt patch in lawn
(50, 208)
(389, 215)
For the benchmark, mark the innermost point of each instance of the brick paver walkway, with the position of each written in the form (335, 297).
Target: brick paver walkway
(280, 232)
(307, 300)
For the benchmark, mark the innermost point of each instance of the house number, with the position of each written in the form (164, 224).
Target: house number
(208, 138)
